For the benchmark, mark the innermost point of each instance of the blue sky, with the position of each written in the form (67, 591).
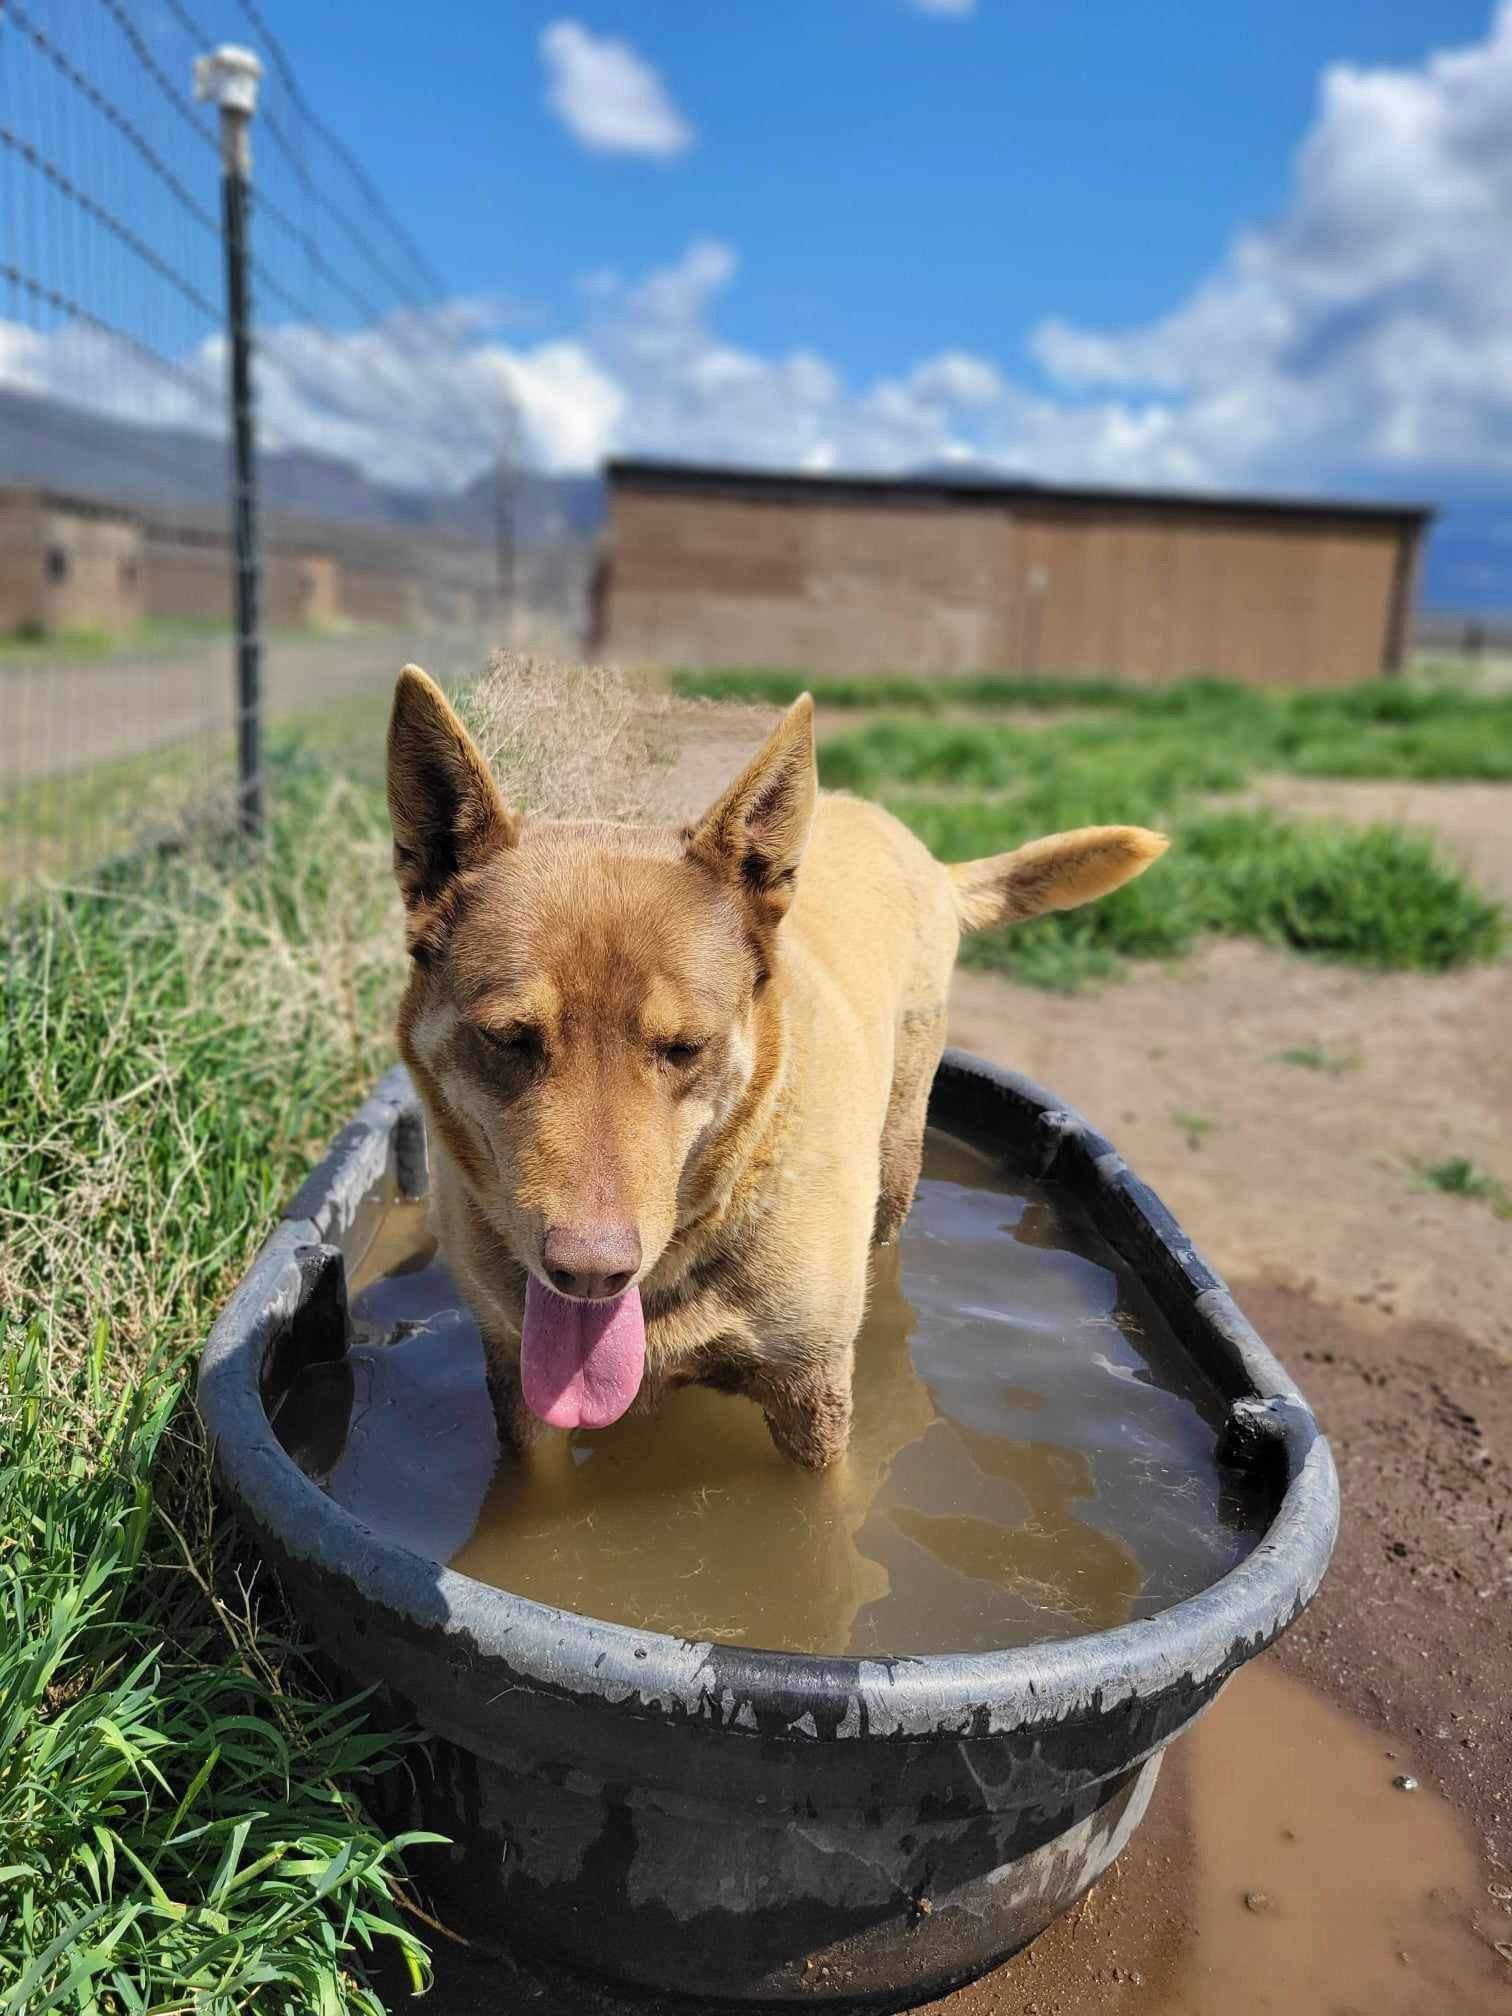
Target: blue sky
(894, 181)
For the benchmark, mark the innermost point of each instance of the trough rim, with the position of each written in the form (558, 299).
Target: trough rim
(652, 1675)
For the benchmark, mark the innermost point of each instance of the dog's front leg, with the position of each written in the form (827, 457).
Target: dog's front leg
(808, 1410)
(517, 1426)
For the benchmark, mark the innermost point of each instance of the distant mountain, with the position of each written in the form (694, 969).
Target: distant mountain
(546, 506)
(1469, 561)
(73, 449)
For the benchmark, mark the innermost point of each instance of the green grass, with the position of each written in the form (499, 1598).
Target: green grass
(1384, 728)
(32, 647)
(1375, 896)
(51, 826)
(1205, 742)
(178, 1820)
(1315, 1057)
(779, 688)
(90, 641)
(62, 824)
(1196, 1126)
(1458, 1176)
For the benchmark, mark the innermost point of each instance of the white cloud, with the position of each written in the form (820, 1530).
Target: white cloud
(1371, 323)
(958, 378)
(955, 7)
(569, 407)
(431, 400)
(609, 98)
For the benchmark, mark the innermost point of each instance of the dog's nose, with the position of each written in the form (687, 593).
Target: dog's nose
(591, 1261)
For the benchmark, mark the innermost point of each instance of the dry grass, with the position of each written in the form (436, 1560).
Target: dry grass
(592, 742)
(571, 742)
(131, 1001)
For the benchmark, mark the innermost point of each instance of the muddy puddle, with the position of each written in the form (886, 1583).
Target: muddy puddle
(1280, 1872)
(1320, 1884)
(1032, 1457)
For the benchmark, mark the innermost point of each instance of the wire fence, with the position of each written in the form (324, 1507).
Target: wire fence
(387, 437)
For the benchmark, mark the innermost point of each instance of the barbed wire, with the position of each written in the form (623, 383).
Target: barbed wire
(118, 228)
(431, 279)
(388, 349)
(76, 312)
(376, 440)
(176, 97)
(108, 111)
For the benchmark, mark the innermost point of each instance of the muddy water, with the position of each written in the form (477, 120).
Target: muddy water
(1280, 1872)
(1032, 1454)
(1319, 1885)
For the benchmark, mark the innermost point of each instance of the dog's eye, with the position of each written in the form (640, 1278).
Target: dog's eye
(519, 1040)
(681, 1053)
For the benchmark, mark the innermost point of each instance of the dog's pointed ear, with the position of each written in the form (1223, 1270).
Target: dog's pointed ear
(756, 833)
(444, 806)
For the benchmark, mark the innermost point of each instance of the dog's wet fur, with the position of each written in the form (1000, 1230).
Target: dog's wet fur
(690, 1060)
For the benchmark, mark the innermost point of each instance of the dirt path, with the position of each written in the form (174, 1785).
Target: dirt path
(57, 718)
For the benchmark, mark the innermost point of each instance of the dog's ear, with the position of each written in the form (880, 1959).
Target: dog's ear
(756, 833)
(444, 806)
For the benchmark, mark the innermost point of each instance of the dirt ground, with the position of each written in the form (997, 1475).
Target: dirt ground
(1280, 1868)
(1389, 1303)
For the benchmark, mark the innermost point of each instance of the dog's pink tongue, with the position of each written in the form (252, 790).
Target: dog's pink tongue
(581, 1362)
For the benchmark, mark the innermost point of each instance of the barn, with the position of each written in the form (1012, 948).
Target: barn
(708, 566)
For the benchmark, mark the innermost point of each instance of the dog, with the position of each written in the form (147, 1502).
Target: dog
(676, 1078)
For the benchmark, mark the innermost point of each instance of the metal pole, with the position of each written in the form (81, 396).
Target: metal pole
(230, 76)
(505, 534)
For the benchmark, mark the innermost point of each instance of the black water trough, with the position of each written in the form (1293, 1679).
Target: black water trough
(744, 1825)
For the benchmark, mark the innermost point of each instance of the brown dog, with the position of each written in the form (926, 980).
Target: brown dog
(676, 1079)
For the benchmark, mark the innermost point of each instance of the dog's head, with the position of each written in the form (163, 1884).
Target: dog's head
(582, 1008)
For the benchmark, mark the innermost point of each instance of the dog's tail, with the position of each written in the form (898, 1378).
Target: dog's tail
(1056, 873)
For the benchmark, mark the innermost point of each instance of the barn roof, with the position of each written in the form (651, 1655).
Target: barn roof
(791, 486)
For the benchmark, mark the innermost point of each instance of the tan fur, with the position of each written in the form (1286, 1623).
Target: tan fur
(802, 941)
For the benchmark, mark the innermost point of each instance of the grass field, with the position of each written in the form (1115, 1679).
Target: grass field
(177, 1828)
(92, 641)
(1097, 753)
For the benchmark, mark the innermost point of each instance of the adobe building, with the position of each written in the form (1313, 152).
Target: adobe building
(854, 575)
(68, 563)
(189, 579)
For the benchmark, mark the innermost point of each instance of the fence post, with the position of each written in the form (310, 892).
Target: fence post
(230, 76)
(506, 534)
